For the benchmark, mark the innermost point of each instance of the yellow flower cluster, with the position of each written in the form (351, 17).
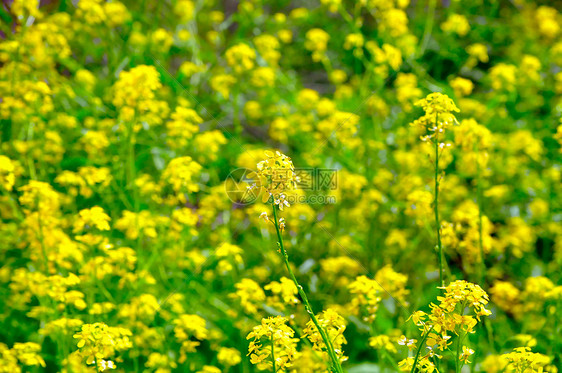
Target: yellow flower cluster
(439, 115)
(272, 344)
(445, 318)
(276, 178)
(98, 343)
(121, 124)
(334, 325)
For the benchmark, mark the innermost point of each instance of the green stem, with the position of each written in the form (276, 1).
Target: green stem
(458, 364)
(329, 347)
(273, 353)
(131, 167)
(436, 204)
(419, 350)
(390, 360)
(428, 26)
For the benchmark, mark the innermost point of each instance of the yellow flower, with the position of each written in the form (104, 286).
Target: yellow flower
(466, 353)
(184, 9)
(272, 333)
(457, 24)
(98, 341)
(7, 177)
(222, 83)
(241, 58)
(229, 356)
(277, 177)
(317, 43)
(180, 174)
(439, 109)
(94, 217)
(334, 325)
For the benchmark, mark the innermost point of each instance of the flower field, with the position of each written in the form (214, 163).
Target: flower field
(210, 186)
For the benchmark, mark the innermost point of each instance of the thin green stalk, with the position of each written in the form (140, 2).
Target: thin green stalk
(428, 26)
(436, 204)
(459, 340)
(419, 350)
(390, 360)
(131, 167)
(329, 347)
(273, 353)
(458, 364)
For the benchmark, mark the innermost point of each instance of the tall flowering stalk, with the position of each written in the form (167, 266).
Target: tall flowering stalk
(455, 316)
(438, 117)
(277, 178)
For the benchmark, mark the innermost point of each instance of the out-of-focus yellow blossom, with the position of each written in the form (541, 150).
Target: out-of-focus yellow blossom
(456, 23)
(26, 8)
(94, 217)
(394, 22)
(39, 196)
(286, 36)
(136, 89)
(222, 83)
(250, 294)
(263, 77)
(98, 342)
(530, 68)
(383, 342)
(134, 224)
(208, 144)
(252, 110)
(507, 297)
(7, 176)
(477, 53)
(355, 42)
(185, 10)
(284, 292)
(407, 90)
(183, 125)
(161, 40)
(228, 254)
(241, 58)
(187, 328)
(117, 14)
(332, 5)
(546, 21)
(188, 69)
(180, 174)
(160, 363)
(317, 42)
(209, 369)
(268, 47)
(393, 284)
(503, 77)
(229, 357)
(366, 299)
(462, 86)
